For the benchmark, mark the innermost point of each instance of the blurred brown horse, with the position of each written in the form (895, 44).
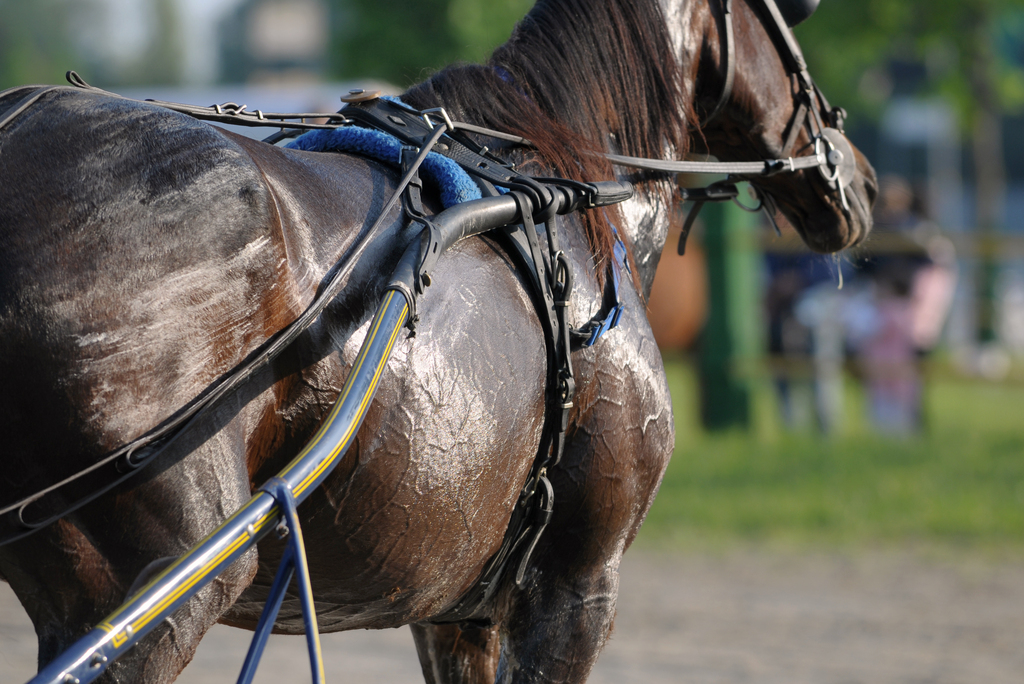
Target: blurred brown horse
(143, 254)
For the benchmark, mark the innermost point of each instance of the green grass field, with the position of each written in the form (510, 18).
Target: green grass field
(958, 485)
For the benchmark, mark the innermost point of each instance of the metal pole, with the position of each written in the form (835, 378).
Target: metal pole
(731, 341)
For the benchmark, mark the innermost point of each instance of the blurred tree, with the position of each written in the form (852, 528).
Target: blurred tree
(849, 44)
(162, 61)
(395, 41)
(35, 45)
(41, 39)
(479, 26)
(403, 40)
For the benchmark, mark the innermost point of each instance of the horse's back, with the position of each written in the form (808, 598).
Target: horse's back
(146, 253)
(136, 249)
(423, 498)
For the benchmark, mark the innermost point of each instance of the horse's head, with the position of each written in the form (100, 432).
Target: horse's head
(757, 101)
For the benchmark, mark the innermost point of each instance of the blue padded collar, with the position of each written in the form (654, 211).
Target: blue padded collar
(450, 179)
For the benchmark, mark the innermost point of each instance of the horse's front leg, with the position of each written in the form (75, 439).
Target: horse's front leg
(556, 624)
(454, 654)
(74, 573)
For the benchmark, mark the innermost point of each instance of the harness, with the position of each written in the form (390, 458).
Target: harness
(529, 235)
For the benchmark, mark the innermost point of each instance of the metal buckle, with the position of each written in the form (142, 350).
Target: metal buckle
(443, 115)
(829, 166)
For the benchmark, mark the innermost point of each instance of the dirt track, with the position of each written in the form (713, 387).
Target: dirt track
(741, 617)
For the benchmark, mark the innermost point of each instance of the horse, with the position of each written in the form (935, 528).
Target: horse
(145, 254)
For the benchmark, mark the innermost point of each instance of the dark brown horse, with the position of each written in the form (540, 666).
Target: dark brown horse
(143, 254)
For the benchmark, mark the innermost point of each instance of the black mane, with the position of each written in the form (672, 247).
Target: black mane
(575, 75)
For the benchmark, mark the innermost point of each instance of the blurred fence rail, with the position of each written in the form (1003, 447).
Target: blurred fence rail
(998, 246)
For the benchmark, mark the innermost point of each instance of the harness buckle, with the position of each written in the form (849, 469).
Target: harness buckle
(568, 388)
(430, 255)
(562, 279)
(441, 113)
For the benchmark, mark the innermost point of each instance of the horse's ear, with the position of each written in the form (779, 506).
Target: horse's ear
(795, 11)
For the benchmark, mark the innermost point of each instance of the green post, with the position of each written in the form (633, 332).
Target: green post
(732, 336)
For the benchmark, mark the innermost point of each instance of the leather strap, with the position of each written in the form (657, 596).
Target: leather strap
(535, 505)
(768, 167)
(728, 56)
(413, 128)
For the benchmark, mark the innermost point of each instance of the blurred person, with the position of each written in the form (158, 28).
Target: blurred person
(887, 355)
(899, 317)
(804, 338)
(897, 208)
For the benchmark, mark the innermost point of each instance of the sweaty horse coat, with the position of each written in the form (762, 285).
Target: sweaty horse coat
(143, 254)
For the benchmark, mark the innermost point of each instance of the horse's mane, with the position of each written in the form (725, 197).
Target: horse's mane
(575, 75)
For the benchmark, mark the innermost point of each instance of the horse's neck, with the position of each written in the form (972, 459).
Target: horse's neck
(640, 103)
(647, 217)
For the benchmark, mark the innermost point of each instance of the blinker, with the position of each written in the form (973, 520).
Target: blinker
(796, 11)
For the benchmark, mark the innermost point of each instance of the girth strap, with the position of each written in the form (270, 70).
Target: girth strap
(550, 278)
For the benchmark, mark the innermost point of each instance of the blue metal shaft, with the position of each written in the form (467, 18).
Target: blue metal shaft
(293, 563)
(87, 659)
(279, 488)
(285, 572)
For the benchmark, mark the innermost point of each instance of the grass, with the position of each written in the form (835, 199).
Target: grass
(960, 484)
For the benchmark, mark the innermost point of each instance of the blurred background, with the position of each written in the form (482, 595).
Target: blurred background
(854, 404)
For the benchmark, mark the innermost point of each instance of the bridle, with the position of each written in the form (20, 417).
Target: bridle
(833, 154)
